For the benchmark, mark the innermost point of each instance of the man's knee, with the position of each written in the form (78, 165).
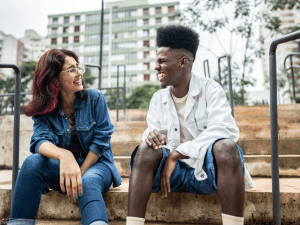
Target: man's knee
(226, 153)
(147, 157)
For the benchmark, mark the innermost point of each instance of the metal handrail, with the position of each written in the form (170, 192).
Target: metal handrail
(229, 79)
(124, 87)
(99, 77)
(16, 142)
(274, 123)
(206, 62)
(292, 70)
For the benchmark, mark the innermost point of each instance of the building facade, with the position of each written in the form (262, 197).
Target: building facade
(129, 38)
(33, 46)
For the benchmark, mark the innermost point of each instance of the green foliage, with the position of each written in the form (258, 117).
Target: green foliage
(141, 96)
(240, 18)
(111, 98)
(88, 77)
(7, 85)
(263, 102)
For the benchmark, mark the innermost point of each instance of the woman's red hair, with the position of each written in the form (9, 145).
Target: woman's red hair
(45, 92)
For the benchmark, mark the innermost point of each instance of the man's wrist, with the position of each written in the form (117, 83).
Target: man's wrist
(177, 155)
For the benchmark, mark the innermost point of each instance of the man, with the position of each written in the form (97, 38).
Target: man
(190, 142)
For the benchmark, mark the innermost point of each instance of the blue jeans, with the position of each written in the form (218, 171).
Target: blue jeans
(39, 173)
(183, 178)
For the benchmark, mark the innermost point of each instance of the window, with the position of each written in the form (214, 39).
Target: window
(54, 30)
(146, 55)
(146, 44)
(66, 30)
(146, 22)
(54, 41)
(55, 20)
(170, 9)
(94, 16)
(146, 77)
(76, 49)
(77, 18)
(158, 10)
(65, 39)
(123, 24)
(146, 33)
(146, 66)
(171, 20)
(145, 12)
(76, 38)
(158, 21)
(76, 28)
(66, 19)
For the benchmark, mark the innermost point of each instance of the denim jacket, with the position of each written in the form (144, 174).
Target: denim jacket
(93, 128)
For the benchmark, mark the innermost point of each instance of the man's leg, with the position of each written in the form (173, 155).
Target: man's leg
(229, 177)
(146, 160)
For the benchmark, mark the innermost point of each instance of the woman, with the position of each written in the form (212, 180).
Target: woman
(71, 142)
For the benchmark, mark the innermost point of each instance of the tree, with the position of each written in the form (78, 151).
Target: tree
(88, 77)
(240, 19)
(141, 96)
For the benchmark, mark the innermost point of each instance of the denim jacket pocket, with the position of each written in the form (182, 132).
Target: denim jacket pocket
(86, 132)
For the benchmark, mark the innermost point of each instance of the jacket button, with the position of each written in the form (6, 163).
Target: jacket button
(67, 129)
(175, 129)
(202, 175)
(87, 128)
(205, 127)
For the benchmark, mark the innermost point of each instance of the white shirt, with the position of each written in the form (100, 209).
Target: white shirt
(207, 118)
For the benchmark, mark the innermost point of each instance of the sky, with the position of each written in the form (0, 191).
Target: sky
(16, 16)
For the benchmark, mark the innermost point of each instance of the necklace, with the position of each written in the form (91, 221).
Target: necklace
(179, 100)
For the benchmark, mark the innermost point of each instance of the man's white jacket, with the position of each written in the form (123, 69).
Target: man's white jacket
(207, 118)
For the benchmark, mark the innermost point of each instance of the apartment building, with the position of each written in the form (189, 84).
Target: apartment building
(129, 37)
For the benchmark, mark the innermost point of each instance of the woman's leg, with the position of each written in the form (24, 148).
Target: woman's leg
(28, 189)
(95, 181)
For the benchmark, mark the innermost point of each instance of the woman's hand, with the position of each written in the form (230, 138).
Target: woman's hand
(70, 176)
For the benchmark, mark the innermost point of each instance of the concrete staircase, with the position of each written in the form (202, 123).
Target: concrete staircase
(186, 208)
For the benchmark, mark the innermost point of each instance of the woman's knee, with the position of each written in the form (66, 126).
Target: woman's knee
(34, 162)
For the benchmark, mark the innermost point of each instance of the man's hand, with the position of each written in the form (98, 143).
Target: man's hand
(156, 139)
(167, 171)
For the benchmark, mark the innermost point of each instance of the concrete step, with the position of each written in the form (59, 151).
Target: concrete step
(257, 165)
(240, 112)
(250, 147)
(185, 208)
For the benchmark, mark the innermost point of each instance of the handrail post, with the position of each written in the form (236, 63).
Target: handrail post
(124, 86)
(274, 123)
(293, 79)
(229, 79)
(117, 93)
(230, 85)
(205, 62)
(99, 77)
(16, 137)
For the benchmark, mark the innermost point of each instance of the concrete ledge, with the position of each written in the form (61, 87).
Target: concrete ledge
(257, 165)
(179, 207)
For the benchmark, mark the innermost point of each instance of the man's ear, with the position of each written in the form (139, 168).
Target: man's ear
(183, 61)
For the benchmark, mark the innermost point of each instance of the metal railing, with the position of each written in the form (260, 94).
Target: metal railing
(124, 88)
(229, 79)
(16, 143)
(274, 123)
(206, 62)
(99, 77)
(292, 70)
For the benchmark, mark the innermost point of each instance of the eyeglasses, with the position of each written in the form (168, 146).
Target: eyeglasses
(74, 71)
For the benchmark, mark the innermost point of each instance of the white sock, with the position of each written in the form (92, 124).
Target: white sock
(135, 220)
(232, 220)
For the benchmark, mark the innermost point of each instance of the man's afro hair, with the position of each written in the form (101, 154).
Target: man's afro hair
(176, 37)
